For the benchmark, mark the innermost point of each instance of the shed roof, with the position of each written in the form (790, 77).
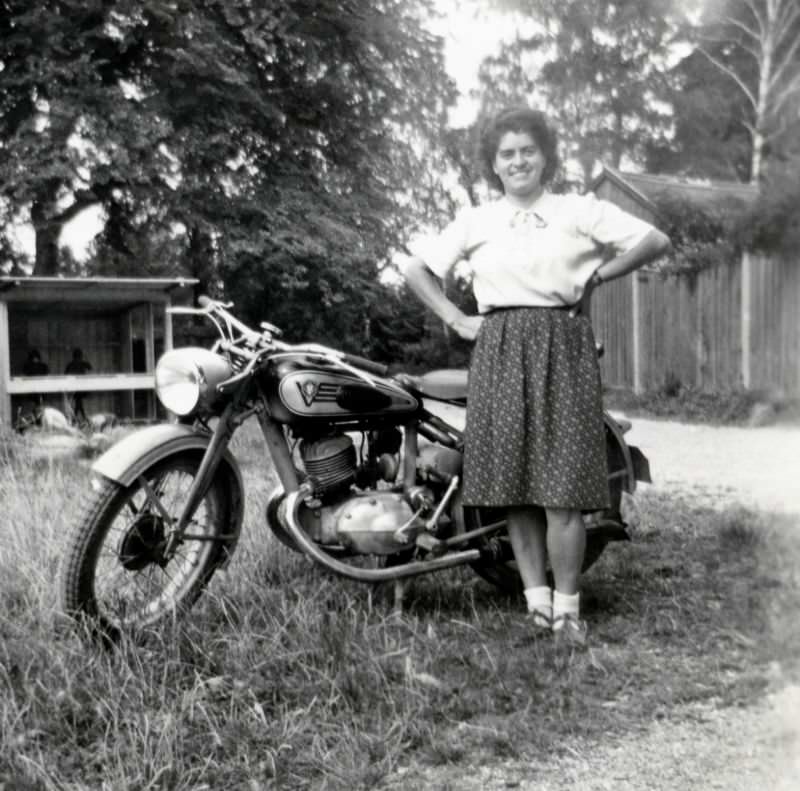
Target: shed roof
(125, 286)
(646, 188)
(93, 295)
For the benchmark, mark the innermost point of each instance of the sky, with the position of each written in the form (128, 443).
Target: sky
(470, 32)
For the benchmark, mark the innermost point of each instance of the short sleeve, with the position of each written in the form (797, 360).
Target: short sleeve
(440, 252)
(607, 224)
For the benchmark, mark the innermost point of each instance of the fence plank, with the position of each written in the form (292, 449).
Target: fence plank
(691, 328)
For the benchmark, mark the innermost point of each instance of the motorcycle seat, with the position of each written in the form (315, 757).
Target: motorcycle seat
(446, 384)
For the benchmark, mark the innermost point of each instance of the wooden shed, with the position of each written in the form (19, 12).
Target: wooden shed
(96, 337)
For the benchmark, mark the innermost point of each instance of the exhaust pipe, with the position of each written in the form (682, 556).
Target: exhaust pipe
(288, 516)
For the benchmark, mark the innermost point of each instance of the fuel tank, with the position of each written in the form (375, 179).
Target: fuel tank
(300, 389)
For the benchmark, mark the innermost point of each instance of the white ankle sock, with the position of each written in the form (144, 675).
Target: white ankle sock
(566, 604)
(540, 599)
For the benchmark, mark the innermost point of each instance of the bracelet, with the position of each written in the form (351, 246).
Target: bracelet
(597, 278)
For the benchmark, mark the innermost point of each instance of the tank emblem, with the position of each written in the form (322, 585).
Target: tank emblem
(312, 391)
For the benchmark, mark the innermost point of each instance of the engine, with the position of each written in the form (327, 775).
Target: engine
(331, 462)
(355, 506)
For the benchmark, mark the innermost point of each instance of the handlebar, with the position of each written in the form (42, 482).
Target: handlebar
(379, 369)
(210, 307)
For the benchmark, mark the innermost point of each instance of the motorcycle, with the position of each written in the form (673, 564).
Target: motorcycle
(370, 478)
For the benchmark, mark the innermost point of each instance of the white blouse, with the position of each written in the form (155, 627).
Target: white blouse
(541, 256)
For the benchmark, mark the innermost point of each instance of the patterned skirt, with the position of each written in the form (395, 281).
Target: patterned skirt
(534, 433)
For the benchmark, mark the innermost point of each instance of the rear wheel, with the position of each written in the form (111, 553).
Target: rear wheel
(116, 572)
(498, 566)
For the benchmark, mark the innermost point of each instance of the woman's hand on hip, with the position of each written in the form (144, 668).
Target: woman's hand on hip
(467, 327)
(584, 306)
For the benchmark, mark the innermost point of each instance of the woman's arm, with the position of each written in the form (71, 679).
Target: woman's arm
(654, 244)
(425, 285)
(651, 247)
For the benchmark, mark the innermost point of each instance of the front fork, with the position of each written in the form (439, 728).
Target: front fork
(229, 421)
(231, 418)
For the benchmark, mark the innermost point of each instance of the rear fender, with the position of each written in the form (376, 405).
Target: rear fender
(641, 466)
(125, 461)
(615, 431)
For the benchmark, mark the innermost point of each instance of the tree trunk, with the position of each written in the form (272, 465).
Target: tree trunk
(200, 260)
(764, 77)
(48, 231)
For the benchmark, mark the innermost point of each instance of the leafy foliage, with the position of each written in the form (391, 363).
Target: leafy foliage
(596, 68)
(258, 145)
(701, 236)
(707, 235)
(710, 138)
(772, 224)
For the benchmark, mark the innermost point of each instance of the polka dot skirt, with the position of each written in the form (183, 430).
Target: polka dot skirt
(534, 432)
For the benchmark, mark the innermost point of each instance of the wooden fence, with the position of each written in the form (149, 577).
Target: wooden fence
(726, 328)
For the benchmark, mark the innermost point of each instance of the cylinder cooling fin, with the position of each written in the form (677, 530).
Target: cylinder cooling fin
(330, 461)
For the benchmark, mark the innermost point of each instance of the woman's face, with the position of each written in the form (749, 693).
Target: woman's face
(519, 163)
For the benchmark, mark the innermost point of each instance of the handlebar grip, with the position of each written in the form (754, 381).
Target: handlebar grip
(203, 301)
(379, 369)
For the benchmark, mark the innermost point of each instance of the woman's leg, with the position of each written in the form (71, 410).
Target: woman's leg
(566, 544)
(526, 529)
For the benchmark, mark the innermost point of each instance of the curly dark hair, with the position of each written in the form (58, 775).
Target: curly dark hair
(517, 119)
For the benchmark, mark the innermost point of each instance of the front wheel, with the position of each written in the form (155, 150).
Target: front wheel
(116, 572)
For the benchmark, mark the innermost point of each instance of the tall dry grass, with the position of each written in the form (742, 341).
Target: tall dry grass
(287, 678)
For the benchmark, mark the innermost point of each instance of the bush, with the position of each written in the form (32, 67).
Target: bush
(772, 224)
(702, 236)
(687, 404)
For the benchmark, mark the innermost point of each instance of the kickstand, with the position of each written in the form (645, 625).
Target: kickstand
(399, 592)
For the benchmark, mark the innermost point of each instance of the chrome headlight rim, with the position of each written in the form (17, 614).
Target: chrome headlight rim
(178, 384)
(186, 379)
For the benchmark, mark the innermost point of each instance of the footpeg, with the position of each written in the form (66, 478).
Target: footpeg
(431, 544)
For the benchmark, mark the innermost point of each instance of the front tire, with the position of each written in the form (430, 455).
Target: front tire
(115, 573)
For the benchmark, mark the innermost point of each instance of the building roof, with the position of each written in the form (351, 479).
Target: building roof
(121, 284)
(647, 188)
(95, 294)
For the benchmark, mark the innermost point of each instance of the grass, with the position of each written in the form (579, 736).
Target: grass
(287, 678)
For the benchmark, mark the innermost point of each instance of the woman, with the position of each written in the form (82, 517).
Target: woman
(534, 438)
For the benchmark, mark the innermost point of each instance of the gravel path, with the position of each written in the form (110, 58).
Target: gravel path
(699, 747)
(722, 465)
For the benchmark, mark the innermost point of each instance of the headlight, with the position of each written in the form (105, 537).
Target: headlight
(187, 378)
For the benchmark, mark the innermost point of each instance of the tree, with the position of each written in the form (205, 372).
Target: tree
(767, 33)
(261, 145)
(600, 70)
(709, 139)
(62, 109)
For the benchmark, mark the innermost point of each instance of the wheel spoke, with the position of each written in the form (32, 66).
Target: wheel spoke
(154, 499)
(130, 582)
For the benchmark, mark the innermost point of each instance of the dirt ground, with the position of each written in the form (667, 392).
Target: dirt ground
(700, 747)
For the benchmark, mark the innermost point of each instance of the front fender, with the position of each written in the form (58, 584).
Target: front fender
(126, 460)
